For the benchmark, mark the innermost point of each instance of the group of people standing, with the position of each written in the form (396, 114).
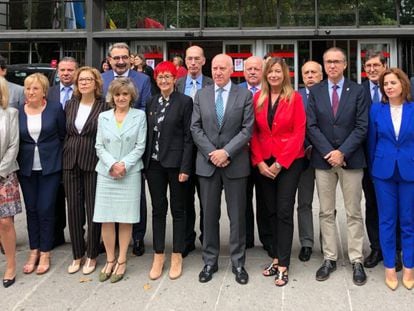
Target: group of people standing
(106, 134)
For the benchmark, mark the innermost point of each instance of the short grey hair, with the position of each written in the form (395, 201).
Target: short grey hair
(118, 45)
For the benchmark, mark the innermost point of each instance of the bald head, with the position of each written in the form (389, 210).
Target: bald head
(311, 73)
(253, 69)
(221, 69)
(194, 60)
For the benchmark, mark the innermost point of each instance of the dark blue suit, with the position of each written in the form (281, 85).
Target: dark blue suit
(392, 168)
(141, 81)
(40, 187)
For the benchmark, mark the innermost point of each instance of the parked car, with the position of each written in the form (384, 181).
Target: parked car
(18, 72)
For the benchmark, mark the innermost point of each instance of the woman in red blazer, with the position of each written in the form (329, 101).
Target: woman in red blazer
(277, 152)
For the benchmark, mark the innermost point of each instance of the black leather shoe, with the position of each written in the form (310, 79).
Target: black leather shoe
(8, 283)
(373, 259)
(398, 262)
(188, 249)
(139, 248)
(207, 273)
(359, 277)
(305, 253)
(327, 267)
(242, 277)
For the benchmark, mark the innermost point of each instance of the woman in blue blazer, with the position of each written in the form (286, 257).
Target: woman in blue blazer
(391, 151)
(120, 144)
(42, 131)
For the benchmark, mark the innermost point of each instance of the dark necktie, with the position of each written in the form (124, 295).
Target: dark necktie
(375, 98)
(335, 99)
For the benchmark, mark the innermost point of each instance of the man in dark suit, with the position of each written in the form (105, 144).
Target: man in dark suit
(253, 69)
(337, 124)
(375, 63)
(311, 75)
(59, 94)
(119, 60)
(221, 126)
(189, 85)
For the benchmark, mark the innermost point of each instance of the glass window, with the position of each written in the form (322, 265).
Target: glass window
(13, 15)
(406, 12)
(222, 13)
(259, 13)
(15, 52)
(297, 13)
(374, 12)
(116, 14)
(183, 13)
(337, 13)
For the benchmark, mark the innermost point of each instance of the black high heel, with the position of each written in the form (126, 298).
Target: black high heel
(8, 282)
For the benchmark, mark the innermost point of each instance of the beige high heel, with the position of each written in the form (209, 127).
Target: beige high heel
(157, 266)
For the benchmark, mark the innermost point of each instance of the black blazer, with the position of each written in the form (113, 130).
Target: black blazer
(346, 131)
(79, 148)
(175, 143)
(49, 143)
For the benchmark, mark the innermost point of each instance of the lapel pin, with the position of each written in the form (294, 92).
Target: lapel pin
(347, 89)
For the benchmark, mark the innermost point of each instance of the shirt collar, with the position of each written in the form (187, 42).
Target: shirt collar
(226, 87)
(372, 84)
(340, 83)
(125, 74)
(258, 87)
(189, 80)
(62, 87)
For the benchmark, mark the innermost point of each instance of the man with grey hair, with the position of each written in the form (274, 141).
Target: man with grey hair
(120, 63)
(221, 126)
(16, 94)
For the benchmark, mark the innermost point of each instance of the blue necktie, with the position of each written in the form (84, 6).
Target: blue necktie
(253, 89)
(66, 97)
(219, 106)
(375, 98)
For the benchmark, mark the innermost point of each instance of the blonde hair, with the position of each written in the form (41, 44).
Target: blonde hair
(37, 77)
(287, 89)
(4, 93)
(98, 81)
(117, 86)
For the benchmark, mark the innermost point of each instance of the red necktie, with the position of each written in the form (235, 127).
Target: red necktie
(335, 100)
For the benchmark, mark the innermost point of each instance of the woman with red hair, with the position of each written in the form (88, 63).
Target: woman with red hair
(168, 162)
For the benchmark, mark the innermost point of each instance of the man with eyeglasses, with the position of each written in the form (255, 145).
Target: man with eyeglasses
(59, 94)
(120, 62)
(337, 124)
(375, 63)
(189, 85)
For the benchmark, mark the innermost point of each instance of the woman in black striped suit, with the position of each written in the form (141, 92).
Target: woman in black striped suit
(79, 161)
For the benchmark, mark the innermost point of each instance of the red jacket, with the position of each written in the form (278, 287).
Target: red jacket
(285, 141)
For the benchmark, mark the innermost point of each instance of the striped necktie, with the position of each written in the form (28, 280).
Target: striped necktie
(220, 106)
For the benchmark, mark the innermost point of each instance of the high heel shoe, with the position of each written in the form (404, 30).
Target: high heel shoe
(408, 284)
(392, 283)
(75, 266)
(44, 263)
(117, 277)
(32, 261)
(9, 282)
(157, 266)
(89, 266)
(104, 275)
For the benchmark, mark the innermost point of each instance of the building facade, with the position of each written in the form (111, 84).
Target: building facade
(33, 31)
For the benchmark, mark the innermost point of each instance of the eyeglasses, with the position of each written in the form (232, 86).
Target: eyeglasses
(335, 62)
(118, 58)
(86, 80)
(166, 77)
(372, 66)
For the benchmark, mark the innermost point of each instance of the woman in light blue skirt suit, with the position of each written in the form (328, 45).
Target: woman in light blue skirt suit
(120, 144)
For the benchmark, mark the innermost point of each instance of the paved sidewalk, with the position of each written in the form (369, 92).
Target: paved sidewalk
(58, 290)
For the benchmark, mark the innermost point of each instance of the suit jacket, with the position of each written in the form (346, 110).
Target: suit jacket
(345, 132)
(9, 141)
(79, 148)
(53, 95)
(284, 141)
(141, 81)
(385, 151)
(16, 95)
(233, 135)
(302, 92)
(180, 84)
(125, 144)
(50, 141)
(175, 142)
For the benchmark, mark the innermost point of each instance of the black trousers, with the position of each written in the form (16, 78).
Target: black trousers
(159, 178)
(190, 234)
(60, 216)
(140, 228)
(279, 198)
(80, 189)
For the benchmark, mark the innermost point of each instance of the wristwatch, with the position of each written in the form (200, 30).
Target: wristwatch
(277, 164)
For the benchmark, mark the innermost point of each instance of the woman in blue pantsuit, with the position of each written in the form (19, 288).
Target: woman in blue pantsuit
(391, 151)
